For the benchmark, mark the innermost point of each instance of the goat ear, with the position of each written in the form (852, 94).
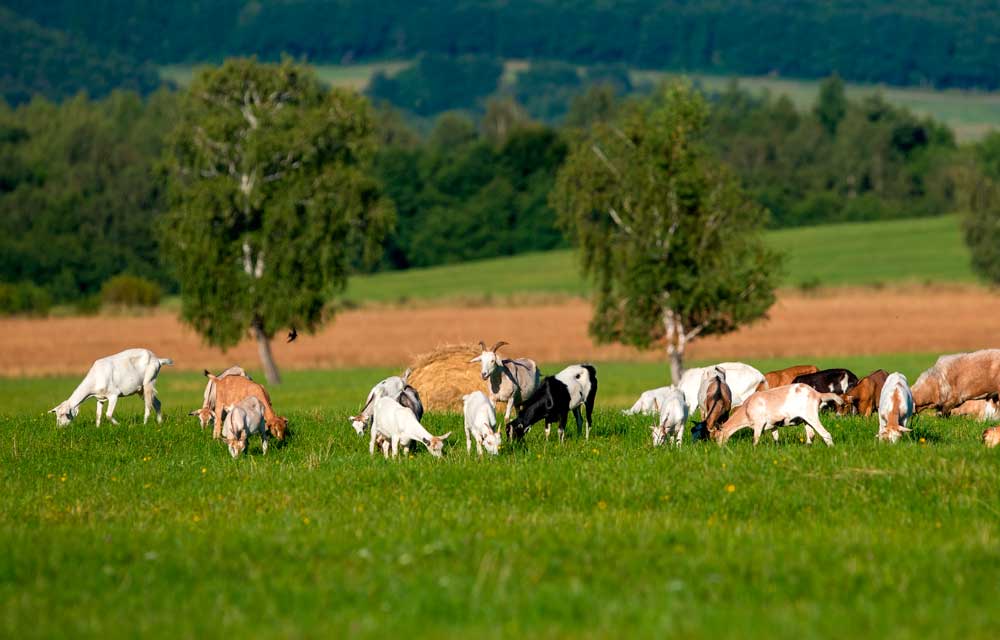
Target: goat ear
(905, 429)
(54, 409)
(478, 358)
(549, 401)
(445, 436)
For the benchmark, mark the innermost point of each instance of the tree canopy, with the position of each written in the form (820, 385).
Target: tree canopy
(669, 239)
(271, 200)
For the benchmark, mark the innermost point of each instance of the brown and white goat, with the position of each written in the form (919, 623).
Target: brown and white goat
(207, 410)
(864, 396)
(957, 378)
(766, 410)
(232, 389)
(895, 408)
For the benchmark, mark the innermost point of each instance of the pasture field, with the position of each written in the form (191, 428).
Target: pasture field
(153, 530)
(972, 114)
(863, 253)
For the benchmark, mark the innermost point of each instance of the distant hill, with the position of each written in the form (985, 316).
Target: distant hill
(38, 61)
(898, 42)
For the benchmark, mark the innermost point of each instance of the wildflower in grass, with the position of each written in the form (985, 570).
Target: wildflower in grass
(595, 450)
(730, 488)
(146, 458)
(196, 518)
(305, 520)
(602, 505)
(923, 440)
(204, 470)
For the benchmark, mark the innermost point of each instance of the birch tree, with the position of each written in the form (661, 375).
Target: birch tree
(666, 235)
(271, 201)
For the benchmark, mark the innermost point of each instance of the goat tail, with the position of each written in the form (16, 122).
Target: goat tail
(831, 397)
(165, 361)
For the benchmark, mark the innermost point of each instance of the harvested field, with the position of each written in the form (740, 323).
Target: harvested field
(836, 322)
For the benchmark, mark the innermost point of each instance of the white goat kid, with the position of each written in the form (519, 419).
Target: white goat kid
(895, 408)
(391, 387)
(398, 425)
(512, 381)
(649, 401)
(130, 372)
(673, 417)
(480, 424)
(245, 418)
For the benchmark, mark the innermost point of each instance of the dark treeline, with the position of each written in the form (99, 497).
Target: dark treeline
(944, 44)
(81, 189)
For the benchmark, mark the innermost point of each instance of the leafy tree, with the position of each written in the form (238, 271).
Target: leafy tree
(831, 105)
(982, 222)
(271, 200)
(665, 232)
(436, 83)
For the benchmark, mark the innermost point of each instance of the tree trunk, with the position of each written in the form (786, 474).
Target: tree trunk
(264, 349)
(676, 343)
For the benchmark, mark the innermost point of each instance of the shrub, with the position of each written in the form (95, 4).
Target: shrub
(130, 291)
(24, 298)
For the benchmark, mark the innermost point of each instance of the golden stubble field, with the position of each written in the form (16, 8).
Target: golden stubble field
(835, 322)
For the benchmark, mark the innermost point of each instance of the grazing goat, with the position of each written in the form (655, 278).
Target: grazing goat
(783, 377)
(895, 406)
(480, 423)
(766, 410)
(207, 411)
(244, 419)
(715, 401)
(957, 378)
(836, 381)
(231, 389)
(979, 409)
(555, 397)
(132, 371)
(392, 387)
(991, 437)
(864, 396)
(399, 426)
(673, 417)
(742, 379)
(649, 401)
(511, 381)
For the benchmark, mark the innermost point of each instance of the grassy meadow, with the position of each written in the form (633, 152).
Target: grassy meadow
(153, 530)
(972, 114)
(919, 251)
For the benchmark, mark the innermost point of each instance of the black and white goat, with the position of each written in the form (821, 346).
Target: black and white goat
(572, 388)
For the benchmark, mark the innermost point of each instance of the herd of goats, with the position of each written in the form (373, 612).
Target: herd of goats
(729, 396)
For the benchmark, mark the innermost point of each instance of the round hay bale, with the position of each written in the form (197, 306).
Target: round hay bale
(444, 375)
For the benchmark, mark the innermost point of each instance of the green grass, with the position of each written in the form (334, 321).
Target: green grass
(872, 253)
(972, 114)
(154, 531)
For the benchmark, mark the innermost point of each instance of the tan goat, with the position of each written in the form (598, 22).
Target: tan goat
(784, 406)
(232, 389)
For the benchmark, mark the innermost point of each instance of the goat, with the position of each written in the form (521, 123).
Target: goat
(243, 420)
(398, 425)
(978, 409)
(957, 378)
(742, 379)
(207, 411)
(649, 401)
(673, 416)
(480, 423)
(864, 396)
(991, 437)
(771, 408)
(782, 377)
(715, 401)
(555, 397)
(231, 389)
(130, 372)
(895, 407)
(511, 381)
(392, 387)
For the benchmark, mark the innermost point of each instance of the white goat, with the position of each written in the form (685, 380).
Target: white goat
(742, 379)
(895, 407)
(396, 423)
(511, 381)
(673, 417)
(130, 372)
(245, 418)
(480, 423)
(649, 401)
(391, 387)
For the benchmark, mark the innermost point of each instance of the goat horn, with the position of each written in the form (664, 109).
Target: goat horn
(498, 345)
(482, 345)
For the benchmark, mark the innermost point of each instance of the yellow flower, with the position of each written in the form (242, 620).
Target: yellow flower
(923, 441)
(196, 518)
(602, 505)
(305, 520)
(204, 470)
(730, 488)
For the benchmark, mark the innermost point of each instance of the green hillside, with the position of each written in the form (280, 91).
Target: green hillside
(919, 250)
